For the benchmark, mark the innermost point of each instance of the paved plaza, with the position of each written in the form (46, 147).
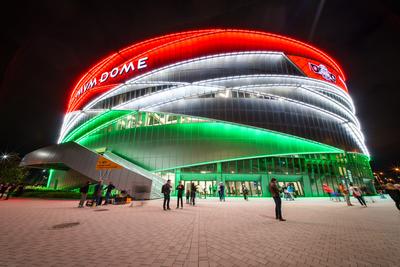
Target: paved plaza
(317, 232)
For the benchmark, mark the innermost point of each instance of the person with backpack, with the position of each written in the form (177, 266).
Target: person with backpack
(109, 189)
(166, 190)
(83, 190)
(358, 194)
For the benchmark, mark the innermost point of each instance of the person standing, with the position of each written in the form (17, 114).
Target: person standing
(193, 190)
(358, 194)
(187, 194)
(11, 189)
(221, 192)
(205, 192)
(166, 190)
(245, 192)
(109, 189)
(83, 190)
(273, 188)
(97, 193)
(345, 194)
(290, 190)
(394, 193)
(180, 188)
(3, 190)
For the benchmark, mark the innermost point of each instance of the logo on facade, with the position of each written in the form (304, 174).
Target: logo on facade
(115, 72)
(323, 71)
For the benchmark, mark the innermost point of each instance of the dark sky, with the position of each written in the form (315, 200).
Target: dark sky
(47, 45)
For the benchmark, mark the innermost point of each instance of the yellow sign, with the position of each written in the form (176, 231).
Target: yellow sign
(105, 164)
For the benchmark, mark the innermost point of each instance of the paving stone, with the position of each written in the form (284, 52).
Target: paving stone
(235, 233)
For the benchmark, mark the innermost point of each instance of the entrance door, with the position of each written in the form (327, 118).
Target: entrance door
(204, 188)
(235, 188)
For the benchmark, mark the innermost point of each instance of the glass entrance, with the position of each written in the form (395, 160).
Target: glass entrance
(204, 188)
(235, 188)
(298, 188)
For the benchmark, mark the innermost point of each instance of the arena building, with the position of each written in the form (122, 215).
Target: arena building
(210, 106)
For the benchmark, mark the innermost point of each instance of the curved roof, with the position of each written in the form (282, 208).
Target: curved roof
(169, 49)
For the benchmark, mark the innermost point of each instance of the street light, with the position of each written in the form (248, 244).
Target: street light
(5, 156)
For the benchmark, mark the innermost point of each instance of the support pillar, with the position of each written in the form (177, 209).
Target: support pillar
(307, 186)
(265, 179)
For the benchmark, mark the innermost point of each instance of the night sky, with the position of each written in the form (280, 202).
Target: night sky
(47, 45)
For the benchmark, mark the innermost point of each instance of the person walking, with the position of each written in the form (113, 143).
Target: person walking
(3, 190)
(109, 189)
(180, 188)
(357, 194)
(394, 193)
(221, 192)
(187, 194)
(83, 190)
(273, 188)
(11, 189)
(193, 190)
(97, 193)
(245, 192)
(166, 190)
(328, 191)
(343, 190)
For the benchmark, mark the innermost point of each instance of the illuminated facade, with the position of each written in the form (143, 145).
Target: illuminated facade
(211, 106)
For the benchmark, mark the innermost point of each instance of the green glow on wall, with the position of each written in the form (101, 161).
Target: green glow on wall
(51, 174)
(95, 122)
(167, 146)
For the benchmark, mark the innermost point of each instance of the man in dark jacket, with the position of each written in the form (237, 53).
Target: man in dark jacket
(394, 193)
(83, 190)
(97, 193)
(180, 188)
(109, 188)
(166, 190)
(273, 188)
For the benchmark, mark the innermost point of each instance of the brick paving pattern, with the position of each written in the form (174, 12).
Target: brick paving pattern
(232, 233)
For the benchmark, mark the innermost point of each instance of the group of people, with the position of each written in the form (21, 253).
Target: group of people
(97, 193)
(180, 189)
(393, 190)
(288, 192)
(345, 192)
(8, 188)
(190, 194)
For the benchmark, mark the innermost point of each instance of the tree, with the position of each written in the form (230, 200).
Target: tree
(10, 171)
